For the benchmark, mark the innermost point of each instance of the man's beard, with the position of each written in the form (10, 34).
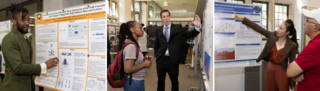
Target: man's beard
(21, 29)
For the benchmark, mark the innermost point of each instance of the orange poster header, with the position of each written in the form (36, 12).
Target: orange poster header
(88, 11)
(72, 18)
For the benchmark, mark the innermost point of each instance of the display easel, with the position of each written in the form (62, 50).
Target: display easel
(238, 57)
(195, 68)
(194, 61)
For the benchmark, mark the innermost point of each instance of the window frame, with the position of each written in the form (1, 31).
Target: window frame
(114, 11)
(279, 4)
(108, 7)
(138, 17)
(267, 3)
(134, 8)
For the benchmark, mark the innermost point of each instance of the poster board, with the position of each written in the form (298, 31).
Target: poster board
(77, 36)
(5, 27)
(207, 37)
(236, 45)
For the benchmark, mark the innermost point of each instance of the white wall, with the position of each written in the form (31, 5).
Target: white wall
(124, 10)
(144, 14)
(297, 17)
(312, 3)
(49, 5)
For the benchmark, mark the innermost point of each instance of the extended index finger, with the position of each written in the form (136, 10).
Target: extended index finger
(234, 13)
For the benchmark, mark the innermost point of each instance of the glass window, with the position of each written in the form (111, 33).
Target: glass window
(136, 6)
(159, 24)
(114, 8)
(264, 19)
(151, 12)
(281, 12)
(137, 17)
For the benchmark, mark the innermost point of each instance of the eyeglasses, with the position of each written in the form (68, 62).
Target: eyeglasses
(311, 22)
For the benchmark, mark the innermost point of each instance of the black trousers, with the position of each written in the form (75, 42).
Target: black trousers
(166, 66)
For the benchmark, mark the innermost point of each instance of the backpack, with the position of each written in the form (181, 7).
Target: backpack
(116, 75)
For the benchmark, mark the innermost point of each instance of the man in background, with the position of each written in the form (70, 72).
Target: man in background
(185, 46)
(142, 41)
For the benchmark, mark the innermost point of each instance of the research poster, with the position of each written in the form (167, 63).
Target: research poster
(207, 38)
(5, 27)
(236, 45)
(77, 37)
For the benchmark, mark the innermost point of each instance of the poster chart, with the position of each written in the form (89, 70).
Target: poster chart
(77, 37)
(236, 45)
(5, 27)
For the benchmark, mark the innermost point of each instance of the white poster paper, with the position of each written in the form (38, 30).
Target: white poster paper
(73, 34)
(236, 45)
(48, 81)
(97, 32)
(46, 32)
(73, 69)
(46, 51)
(97, 67)
(5, 28)
(95, 84)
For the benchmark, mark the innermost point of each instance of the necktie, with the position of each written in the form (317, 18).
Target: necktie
(166, 34)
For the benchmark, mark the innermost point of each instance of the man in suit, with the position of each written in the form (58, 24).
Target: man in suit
(17, 53)
(167, 49)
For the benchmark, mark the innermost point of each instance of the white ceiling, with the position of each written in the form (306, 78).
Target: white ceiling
(176, 5)
(7, 3)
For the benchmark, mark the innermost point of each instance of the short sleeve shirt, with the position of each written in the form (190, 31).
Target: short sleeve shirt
(309, 62)
(129, 52)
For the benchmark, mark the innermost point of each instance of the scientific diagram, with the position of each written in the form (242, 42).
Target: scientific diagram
(77, 31)
(243, 27)
(225, 26)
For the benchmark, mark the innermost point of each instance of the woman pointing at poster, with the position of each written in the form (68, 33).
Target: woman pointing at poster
(280, 48)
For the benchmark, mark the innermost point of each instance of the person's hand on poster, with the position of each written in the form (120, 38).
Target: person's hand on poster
(237, 17)
(52, 62)
(197, 21)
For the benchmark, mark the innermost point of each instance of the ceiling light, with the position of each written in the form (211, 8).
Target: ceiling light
(165, 3)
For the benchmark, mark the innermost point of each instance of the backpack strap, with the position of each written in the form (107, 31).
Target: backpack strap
(137, 55)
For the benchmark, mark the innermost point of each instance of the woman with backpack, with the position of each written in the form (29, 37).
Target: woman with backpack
(279, 50)
(134, 65)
